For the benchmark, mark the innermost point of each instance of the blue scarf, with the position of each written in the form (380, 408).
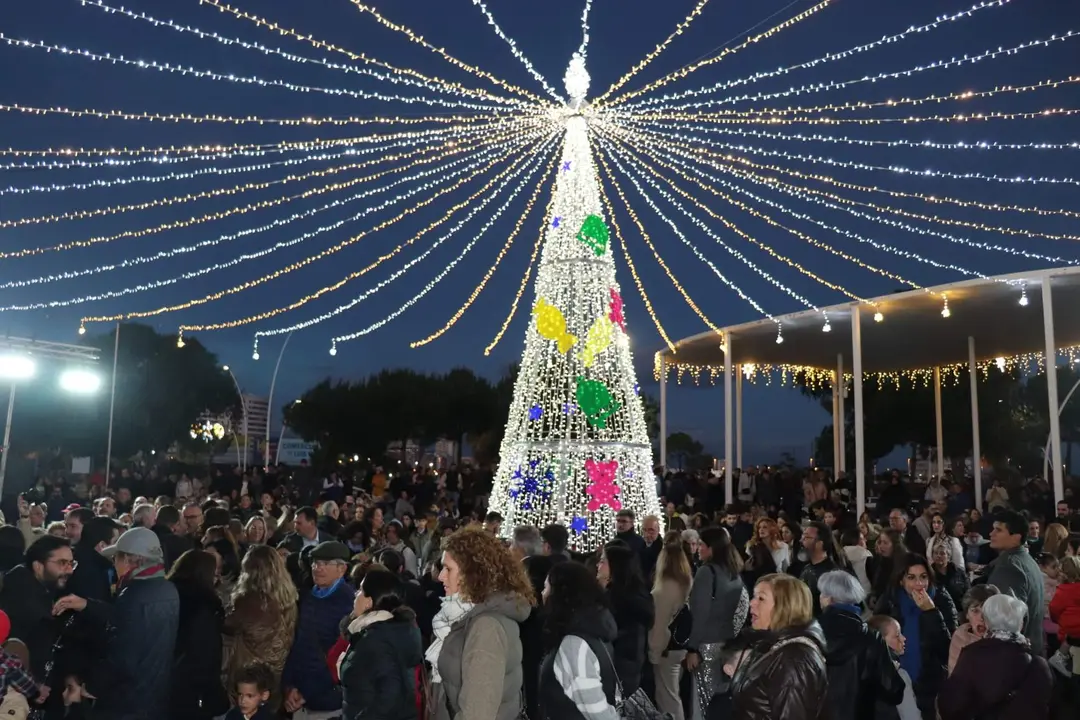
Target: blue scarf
(323, 593)
(911, 660)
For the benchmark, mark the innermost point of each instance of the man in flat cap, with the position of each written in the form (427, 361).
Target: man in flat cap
(141, 625)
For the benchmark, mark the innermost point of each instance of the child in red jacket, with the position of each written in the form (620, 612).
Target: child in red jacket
(1065, 611)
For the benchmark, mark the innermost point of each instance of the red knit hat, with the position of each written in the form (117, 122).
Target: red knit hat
(5, 627)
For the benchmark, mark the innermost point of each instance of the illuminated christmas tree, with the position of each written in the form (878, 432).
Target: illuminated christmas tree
(576, 449)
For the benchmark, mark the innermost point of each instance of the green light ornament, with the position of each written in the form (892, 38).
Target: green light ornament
(596, 401)
(594, 233)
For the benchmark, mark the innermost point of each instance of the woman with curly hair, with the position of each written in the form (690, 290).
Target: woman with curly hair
(261, 621)
(480, 659)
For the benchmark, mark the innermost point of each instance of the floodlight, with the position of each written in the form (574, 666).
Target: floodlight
(16, 367)
(79, 381)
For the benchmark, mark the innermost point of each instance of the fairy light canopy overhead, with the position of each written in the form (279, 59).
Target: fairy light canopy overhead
(294, 182)
(907, 331)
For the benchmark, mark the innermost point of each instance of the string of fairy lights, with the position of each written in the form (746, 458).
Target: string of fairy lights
(706, 175)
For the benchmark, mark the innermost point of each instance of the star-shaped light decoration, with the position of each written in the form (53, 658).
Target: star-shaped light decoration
(579, 524)
(556, 221)
(637, 388)
(569, 408)
(532, 484)
(536, 412)
(566, 166)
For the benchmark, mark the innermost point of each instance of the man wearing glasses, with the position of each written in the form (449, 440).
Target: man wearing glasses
(28, 595)
(309, 688)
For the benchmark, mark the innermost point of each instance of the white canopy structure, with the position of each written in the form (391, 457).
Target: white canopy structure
(994, 320)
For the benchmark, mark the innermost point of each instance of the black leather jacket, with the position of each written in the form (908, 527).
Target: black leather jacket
(783, 677)
(860, 668)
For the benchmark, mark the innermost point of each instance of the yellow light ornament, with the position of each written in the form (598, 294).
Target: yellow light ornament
(599, 339)
(551, 324)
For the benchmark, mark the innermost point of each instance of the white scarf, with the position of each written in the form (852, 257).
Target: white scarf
(453, 609)
(358, 624)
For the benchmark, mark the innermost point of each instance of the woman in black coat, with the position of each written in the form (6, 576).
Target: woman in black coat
(927, 618)
(632, 605)
(197, 692)
(378, 671)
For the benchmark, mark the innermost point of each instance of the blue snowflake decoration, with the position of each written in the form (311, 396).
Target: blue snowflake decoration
(637, 388)
(566, 166)
(579, 524)
(556, 221)
(569, 408)
(532, 484)
(536, 412)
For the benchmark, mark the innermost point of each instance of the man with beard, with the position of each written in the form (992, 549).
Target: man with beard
(28, 594)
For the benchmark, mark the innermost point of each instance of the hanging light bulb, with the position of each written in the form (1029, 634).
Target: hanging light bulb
(1000, 362)
(179, 341)
(779, 334)
(1023, 298)
(255, 350)
(333, 349)
(748, 370)
(878, 316)
(826, 327)
(82, 329)
(945, 312)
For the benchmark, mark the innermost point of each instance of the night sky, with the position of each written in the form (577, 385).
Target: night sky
(622, 32)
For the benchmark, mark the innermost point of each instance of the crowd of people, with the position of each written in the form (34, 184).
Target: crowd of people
(397, 596)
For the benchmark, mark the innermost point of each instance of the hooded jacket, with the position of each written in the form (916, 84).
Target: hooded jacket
(480, 661)
(378, 670)
(859, 666)
(784, 676)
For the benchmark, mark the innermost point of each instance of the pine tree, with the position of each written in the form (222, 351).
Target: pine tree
(576, 448)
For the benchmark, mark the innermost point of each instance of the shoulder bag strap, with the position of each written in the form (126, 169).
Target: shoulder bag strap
(715, 579)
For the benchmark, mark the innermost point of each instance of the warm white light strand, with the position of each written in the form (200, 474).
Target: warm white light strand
(898, 169)
(583, 49)
(441, 172)
(245, 80)
(839, 84)
(888, 39)
(397, 76)
(678, 233)
(703, 227)
(518, 172)
(516, 51)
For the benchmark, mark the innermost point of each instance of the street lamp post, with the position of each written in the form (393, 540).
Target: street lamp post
(270, 400)
(281, 436)
(243, 409)
(17, 363)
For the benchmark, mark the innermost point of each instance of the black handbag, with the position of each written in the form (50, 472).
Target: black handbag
(680, 627)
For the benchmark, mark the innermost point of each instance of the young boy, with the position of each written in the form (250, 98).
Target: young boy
(253, 684)
(894, 638)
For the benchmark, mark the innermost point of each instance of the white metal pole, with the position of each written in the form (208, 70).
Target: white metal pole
(244, 423)
(860, 448)
(663, 412)
(836, 423)
(1061, 408)
(728, 424)
(1050, 361)
(270, 401)
(976, 448)
(112, 405)
(281, 437)
(7, 437)
(843, 414)
(738, 417)
(939, 430)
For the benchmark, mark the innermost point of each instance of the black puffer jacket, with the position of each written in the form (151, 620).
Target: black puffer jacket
(633, 610)
(378, 671)
(860, 668)
(783, 677)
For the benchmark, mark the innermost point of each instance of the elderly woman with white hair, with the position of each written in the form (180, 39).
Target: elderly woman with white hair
(857, 659)
(998, 676)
